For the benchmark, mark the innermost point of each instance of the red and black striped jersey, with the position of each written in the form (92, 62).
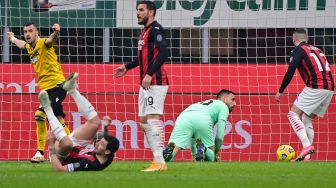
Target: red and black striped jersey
(84, 159)
(312, 66)
(152, 53)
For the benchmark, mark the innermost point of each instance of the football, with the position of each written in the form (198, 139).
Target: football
(285, 153)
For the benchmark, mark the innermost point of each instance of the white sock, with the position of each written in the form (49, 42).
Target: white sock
(56, 126)
(156, 139)
(84, 106)
(307, 121)
(299, 128)
(146, 129)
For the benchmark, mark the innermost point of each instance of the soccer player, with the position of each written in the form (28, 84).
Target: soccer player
(50, 75)
(152, 53)
(195, 126)
(315, 97)
(71, 152)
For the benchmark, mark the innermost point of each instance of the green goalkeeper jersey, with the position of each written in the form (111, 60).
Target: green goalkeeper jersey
(215, 109)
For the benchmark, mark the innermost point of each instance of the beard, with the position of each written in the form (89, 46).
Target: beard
(143, 21)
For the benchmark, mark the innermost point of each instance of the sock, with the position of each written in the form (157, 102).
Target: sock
(41, 130)
(65, 127)
(146, 128)
(209, 154)
(299, 128)
(55, 125)
(307, 121)
(156, 139)
(84, 106)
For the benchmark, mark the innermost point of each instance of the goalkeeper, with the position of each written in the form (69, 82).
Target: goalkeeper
(194, 127)
(50, 75)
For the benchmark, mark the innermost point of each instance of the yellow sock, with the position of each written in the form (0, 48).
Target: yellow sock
(66, 128)
(41, 129)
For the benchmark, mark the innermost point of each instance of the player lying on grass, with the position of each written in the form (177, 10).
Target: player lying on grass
(194, 127)
(70, 153)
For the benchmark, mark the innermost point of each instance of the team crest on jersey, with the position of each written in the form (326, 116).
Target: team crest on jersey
(34, 59)
(159, 38)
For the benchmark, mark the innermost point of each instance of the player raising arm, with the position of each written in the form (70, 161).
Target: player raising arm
(71, 153)
(152, 53)
(194, 126)
(50, 75)
(315, 97)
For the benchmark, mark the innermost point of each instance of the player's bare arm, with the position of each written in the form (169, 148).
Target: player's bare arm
(55, 162)
(53, 37)
(19, 43)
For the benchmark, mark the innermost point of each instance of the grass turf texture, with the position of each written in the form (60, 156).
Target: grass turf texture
(179, 174)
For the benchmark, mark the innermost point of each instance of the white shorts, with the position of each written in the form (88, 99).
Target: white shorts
(77, 142)
(152, 101)
(314, 101)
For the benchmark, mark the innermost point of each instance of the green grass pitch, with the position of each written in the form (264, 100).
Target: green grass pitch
(180, 174)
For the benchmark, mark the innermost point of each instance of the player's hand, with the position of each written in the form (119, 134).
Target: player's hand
(277, 96)
(10, 35)
(56, 27)
(50, 139)
(106, 121)
(120, 71)
(146, 82)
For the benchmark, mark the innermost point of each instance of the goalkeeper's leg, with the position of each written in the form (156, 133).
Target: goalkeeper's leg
(201, 152)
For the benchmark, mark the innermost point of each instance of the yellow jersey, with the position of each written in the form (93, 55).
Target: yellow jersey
(46, 65)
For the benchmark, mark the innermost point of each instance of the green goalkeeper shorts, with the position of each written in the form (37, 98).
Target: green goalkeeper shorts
(190, 126)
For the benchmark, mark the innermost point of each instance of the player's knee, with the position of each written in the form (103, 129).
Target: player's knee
(145, 126)
(143, 119)
(40, 116)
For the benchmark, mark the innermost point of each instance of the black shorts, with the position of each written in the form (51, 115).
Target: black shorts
(56, 97)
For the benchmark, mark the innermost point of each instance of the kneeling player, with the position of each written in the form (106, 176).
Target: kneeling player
(194, 127)
(70, 153)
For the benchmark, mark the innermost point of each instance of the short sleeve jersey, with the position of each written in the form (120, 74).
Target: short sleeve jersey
(46, 65)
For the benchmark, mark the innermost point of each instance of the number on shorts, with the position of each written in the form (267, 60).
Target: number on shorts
(149, 101)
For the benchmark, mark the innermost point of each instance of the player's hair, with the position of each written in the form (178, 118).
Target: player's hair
(150, 5)
(300, 35)
(224, 92)
(113, 143)
(31, 23)
(299, 31)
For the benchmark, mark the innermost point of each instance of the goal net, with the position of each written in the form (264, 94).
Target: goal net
(241, 45)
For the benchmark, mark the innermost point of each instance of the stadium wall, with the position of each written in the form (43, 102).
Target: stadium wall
(256, 127)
